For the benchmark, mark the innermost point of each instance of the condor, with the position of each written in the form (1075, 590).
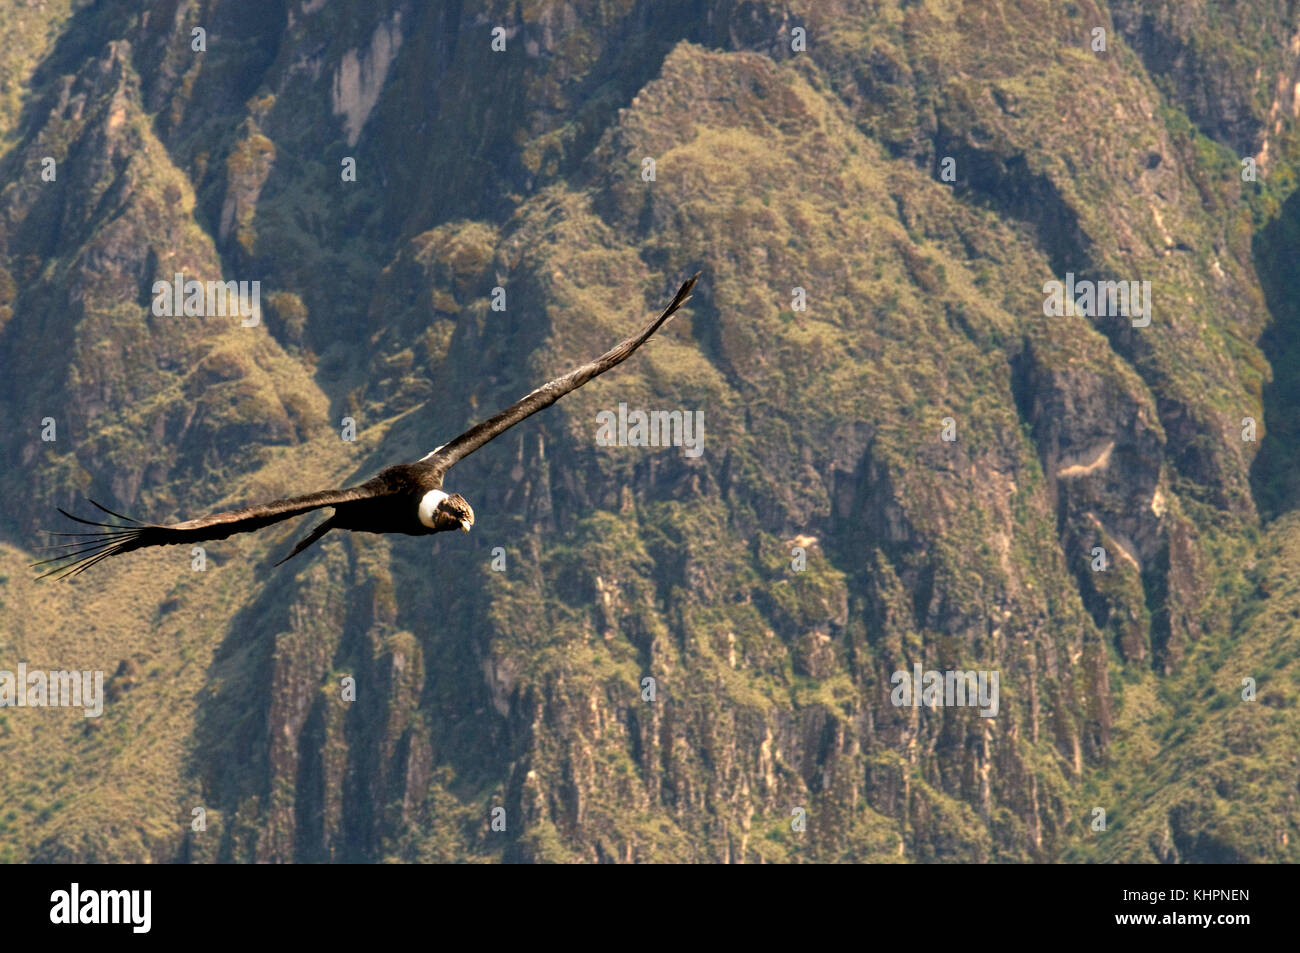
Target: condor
(408, 498)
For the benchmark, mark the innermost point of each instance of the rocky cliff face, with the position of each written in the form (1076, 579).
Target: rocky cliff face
(917, 468)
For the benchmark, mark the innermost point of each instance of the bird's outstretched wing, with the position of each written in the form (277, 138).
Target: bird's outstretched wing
(113, 539)
(440, 460)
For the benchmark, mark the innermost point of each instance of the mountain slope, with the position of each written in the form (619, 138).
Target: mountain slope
(506, 669)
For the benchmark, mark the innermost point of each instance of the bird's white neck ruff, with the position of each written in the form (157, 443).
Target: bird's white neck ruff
(430, 503)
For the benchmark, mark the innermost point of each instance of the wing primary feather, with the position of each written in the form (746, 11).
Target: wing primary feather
(71, 546)
(51, 533)
(81, 567)
(129, 519)
(86, 522)
(90, 548)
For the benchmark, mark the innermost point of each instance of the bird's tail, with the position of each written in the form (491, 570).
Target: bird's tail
(314, 535)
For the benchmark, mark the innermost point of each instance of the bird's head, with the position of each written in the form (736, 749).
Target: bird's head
(454, 513)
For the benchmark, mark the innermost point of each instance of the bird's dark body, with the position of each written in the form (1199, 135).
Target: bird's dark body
(407, 499)
(389, 515)
(394, 507)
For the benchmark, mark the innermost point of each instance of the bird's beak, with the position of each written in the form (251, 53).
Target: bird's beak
(464, 525)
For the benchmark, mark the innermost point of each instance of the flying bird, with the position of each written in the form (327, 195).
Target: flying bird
(408, 498)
